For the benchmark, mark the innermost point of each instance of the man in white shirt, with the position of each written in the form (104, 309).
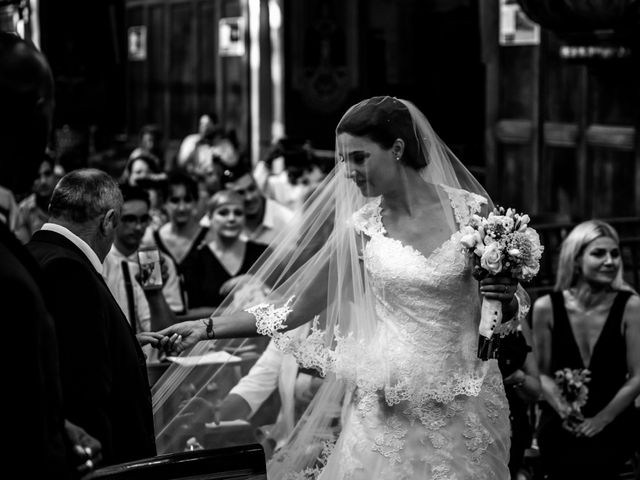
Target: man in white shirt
(145, 309)
(265, 218)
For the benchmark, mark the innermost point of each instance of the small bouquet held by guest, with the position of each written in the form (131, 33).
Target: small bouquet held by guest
(573, 388)
(500, 244)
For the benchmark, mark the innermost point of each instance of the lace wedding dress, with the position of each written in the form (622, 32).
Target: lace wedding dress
(444, 414)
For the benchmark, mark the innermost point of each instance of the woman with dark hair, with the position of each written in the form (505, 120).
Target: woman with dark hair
(405, 395)
(591, 321)
(142, 165)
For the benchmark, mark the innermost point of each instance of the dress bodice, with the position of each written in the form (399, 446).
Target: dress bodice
(428, 311)
(418, 294)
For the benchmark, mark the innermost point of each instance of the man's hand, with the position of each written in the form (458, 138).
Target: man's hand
(85, 450)
(164, 269)
(157, 340)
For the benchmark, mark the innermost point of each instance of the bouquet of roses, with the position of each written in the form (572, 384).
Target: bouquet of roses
(500, 244)
(573, 388)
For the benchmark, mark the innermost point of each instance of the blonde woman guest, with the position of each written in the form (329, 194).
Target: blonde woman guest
(591, 320)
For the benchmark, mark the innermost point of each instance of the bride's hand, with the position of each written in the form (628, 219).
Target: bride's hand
(499, 288)
(503, 289)
(190, 333)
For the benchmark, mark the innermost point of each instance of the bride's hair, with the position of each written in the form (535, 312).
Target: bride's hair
(384, 120)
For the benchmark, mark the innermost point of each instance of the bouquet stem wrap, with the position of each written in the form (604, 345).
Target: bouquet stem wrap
(490, 318)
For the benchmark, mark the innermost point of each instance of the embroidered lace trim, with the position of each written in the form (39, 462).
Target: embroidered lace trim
(368, 219)
(465, 204)
(309, 352)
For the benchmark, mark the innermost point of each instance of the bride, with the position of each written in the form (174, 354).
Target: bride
(404, 395)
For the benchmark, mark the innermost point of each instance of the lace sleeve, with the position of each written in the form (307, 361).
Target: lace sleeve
(309, 352)
(465, 204)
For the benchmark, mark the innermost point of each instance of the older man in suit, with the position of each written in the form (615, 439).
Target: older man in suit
(104, 377)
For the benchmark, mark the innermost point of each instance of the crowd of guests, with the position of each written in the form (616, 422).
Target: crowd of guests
(75, 290)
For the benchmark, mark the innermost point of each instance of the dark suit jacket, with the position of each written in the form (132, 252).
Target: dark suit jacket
(104, 376)
(34, 424)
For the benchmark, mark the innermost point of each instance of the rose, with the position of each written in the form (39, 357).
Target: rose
(471, 239)
(491, 259)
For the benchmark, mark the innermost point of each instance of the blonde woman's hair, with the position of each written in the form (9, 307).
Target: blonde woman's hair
(573, 246)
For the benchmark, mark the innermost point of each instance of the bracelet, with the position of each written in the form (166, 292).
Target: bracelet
(209, 330)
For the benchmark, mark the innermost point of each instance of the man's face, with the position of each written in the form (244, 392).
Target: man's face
(134, 219)
(45, 181)
(253, 199)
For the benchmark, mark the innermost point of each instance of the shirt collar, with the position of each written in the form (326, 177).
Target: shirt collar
(78, 242)
(118, 254)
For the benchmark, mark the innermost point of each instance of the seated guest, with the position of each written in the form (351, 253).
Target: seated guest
(104, 375)
(182, 234)
(10, 214)
(150, 141)
(33, 209)
(221, 262)
(264, 218)
(591, 321)
(146, 309)
(180, 237)
(211, 144)
(290, 173)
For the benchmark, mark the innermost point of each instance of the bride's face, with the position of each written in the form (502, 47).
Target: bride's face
(371, 167)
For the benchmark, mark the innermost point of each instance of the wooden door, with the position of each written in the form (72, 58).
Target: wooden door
(182, 74)
(561, 131)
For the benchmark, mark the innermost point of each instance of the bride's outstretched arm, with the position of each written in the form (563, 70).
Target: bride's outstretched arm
(311, 301)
